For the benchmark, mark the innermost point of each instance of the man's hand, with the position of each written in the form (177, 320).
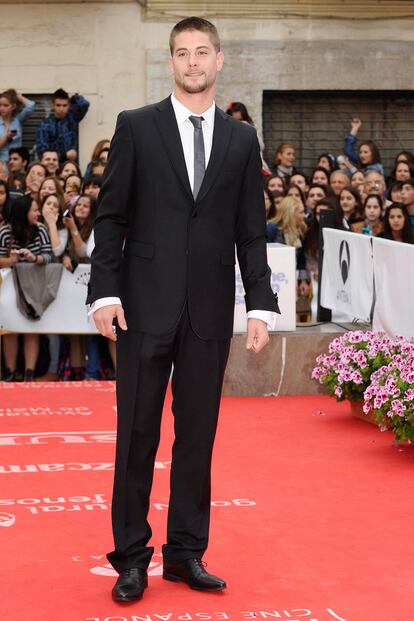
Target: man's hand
(257, 335)
(103, 320)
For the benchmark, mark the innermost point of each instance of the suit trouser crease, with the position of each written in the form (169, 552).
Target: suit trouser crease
(144, 368)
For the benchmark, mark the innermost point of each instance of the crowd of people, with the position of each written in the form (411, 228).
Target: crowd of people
(47, 213)
(48, 207)
(352, 184)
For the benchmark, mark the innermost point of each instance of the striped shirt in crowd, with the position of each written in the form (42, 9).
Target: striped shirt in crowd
(39, 245)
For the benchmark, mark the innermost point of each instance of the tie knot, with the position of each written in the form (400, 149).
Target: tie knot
(196, 121)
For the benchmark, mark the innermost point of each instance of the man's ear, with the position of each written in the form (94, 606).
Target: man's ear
(220, 60)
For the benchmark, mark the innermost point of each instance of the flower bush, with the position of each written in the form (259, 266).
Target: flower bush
(346, 370)
(390, 395)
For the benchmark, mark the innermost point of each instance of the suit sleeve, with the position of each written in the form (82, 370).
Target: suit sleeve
(251, 237)
(113, 214)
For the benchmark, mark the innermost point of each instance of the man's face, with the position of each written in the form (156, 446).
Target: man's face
(60, 108)
(374, 184)
(315, 194)
(338, 182)
(407, 194)
(51, 161)
(195, 62)
(16, 163)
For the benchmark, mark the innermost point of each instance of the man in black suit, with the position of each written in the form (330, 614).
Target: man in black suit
(181, 188)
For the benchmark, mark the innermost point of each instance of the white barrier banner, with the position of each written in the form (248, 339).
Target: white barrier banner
(347, 273)
(282, 261)
(67, 314)
(394, 287)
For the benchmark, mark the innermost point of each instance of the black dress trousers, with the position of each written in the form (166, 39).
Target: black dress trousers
(145, 363)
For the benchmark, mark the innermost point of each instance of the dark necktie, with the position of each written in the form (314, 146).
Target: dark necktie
(199, 155)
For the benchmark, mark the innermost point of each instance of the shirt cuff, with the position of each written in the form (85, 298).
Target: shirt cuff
(101, 302)
(268, 317)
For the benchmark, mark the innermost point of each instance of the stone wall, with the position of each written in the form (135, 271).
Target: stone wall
(117, 60)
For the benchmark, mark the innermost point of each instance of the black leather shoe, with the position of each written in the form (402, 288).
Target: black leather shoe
(130, 585)
(9, 376)
(192, 572)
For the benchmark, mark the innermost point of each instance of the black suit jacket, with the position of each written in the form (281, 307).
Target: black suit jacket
(178, 249)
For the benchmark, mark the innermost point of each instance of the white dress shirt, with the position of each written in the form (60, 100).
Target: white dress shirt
(186, 129)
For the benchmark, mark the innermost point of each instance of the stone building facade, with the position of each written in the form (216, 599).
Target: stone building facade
(115, 53)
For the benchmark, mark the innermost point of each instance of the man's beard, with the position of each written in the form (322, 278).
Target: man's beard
(194, 87)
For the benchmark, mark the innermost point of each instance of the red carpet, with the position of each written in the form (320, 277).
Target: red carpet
(312, 513)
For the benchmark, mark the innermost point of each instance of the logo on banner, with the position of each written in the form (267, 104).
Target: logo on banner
(344, 260)
(343, 293)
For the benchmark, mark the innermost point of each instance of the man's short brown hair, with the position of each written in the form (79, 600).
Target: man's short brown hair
(195, 23)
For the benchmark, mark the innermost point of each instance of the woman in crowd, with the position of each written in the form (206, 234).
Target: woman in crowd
(289, 227)
(35, 176)
(52, 207)
(71, 190)
(301, 180)
(274, 182)
(394, 191)
(368, 156)
(397, 224)
(284, 160)
(238, 111)
(320, 175)
(4, 202)
(97, 167)
(327, 161)
(92, 186)
(295, 190)
(350, 205)
(100, 149)
(404, 171)
(80, 225)
(404, 156)
(50, 185)
(270, 204)
(68, 169)
(102, 145)
(14, 110)
(357, 180)
(372, 223)
(24, 238)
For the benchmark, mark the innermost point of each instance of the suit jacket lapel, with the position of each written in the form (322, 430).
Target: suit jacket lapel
(168, 128)
(221, 138)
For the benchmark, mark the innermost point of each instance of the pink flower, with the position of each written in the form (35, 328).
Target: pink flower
(366, 408)
(338, 391)
(397, 407)
(356, 337)
(316, 373)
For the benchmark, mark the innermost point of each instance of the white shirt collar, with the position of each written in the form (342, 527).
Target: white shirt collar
(182, 113)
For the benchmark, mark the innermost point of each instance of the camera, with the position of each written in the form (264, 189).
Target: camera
(67, 214)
